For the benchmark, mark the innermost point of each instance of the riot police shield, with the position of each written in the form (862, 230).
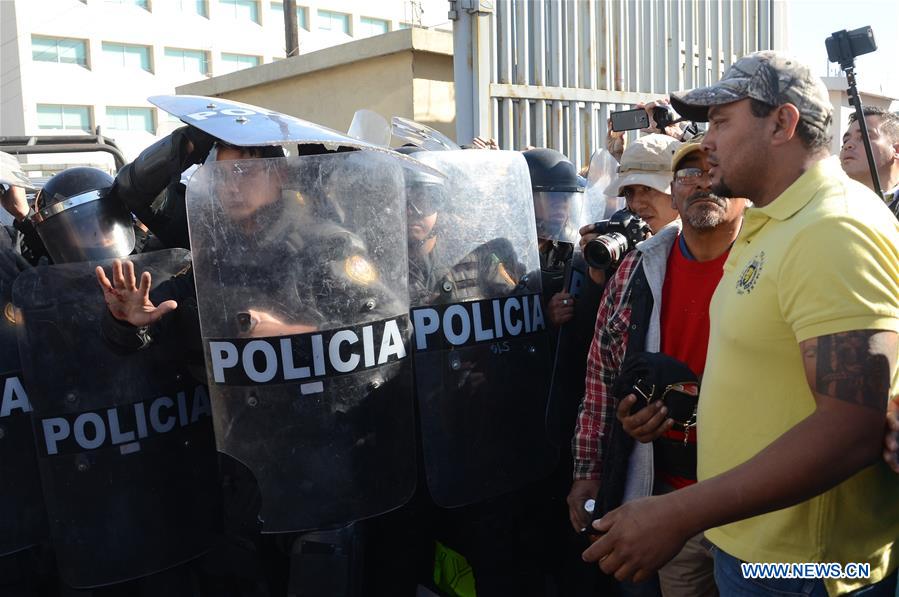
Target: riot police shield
(20, 497)
(574, 336)
(602, 171)
(421, 135)
(371, 127)
(246, 125)
(125, 441)
(481, 349)
(301, 277)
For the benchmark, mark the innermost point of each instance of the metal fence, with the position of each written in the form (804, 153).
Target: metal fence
(552, 70)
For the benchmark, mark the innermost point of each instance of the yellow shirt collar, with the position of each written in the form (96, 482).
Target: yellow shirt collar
(798, 194)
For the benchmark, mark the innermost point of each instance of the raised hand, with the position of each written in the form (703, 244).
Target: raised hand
(126, 300)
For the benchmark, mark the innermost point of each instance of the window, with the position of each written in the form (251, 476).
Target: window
(187, 61)
(193, 7)
(333, 21)
(145, 4)
(243, 10)
(130, 119)
(369, 27)
(302, 15)
(127, 56)
(236, 62)
(70, 118)
(405, 25)
(63, 51)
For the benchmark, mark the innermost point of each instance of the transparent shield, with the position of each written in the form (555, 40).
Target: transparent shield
(301, 275)
(480, 345)
(603, 170)
(371, 127)
(421, 135)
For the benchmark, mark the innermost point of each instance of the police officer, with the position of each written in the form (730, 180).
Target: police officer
(301, 229)
(568, 294)
(79, 218)
(489, 270)
(444, 270)
(558, 202)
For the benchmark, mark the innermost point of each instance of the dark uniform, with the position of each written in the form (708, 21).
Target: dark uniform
(490, 535)
(325, 271)
(490, 270)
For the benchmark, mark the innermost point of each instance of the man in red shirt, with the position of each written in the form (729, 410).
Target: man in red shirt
(682, 263)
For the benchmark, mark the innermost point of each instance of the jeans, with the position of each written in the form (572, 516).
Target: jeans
(730, 581)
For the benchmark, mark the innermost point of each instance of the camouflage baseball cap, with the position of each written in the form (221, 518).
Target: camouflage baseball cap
(770, 77)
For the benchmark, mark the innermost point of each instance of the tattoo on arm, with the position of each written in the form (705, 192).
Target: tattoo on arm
(854, 367)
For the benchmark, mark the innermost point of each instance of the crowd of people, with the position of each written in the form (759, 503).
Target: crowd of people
(725, 394)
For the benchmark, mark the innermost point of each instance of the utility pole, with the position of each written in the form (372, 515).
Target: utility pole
(290, 28)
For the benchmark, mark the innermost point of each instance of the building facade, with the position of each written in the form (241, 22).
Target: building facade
(74, 65)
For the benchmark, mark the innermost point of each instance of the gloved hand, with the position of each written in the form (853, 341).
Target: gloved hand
(198, 144)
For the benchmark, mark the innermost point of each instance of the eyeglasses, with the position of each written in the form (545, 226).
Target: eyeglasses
(691, 175)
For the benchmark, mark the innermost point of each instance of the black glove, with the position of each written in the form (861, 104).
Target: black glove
(655, 376)
(202, 143)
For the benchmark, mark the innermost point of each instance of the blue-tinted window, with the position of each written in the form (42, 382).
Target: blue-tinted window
(60, 117)
(145, 4)
(236, 62)
(242, 10)
(369, 26)
(127, 56)
(187, 61)
(333, 21)
(302, 15)
(63, 51)
(122, 118)
(193, 7)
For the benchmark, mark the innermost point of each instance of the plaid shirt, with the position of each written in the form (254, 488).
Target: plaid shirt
(597, 411)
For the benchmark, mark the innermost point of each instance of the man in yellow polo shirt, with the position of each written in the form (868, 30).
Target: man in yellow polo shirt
(801, 361)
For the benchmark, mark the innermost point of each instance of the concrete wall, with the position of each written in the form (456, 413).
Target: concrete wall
(406, 73)
(12, 101)
(434, 92)
(331, 97)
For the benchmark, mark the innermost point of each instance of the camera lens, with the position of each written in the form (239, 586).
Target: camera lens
(606, 250)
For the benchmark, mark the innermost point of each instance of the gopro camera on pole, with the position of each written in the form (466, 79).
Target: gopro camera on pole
(843, 47)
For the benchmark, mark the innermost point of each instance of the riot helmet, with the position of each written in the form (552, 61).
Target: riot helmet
(425, 198)
(558, 196)
(79, 219)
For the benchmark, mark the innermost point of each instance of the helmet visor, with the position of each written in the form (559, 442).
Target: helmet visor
(87, 227)
(558, 214)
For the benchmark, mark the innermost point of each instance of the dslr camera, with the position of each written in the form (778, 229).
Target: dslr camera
(617, 237)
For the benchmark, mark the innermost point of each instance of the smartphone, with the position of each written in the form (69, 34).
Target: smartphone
(629, 120)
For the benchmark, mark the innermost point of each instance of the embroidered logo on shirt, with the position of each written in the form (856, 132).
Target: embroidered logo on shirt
(751, 274)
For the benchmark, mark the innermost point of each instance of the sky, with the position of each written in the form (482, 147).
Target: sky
(810, 22)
